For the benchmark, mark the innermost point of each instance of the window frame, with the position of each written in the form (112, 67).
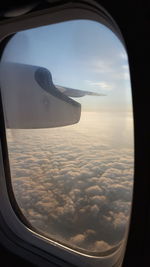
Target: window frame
(28, 243)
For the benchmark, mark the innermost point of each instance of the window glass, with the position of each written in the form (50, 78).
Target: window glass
(69, 123)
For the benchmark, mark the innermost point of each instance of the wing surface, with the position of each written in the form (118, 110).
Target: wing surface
(75, 92)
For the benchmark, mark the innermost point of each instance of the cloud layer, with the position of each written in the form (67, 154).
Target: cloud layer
(74, 183)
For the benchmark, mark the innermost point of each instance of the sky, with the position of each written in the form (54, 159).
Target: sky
(74, 183)
(80, 54)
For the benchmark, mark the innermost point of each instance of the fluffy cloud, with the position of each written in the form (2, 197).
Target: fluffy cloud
(78, 239)
(73, 183)
(93, 190)
(101, 246)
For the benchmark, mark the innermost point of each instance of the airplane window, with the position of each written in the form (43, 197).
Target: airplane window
(69, 124)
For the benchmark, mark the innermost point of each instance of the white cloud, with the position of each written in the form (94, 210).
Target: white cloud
(120, 220)
(101, 246)
(100, 85)
(78, 239)
(99, 200)
(73, 186)
(93, 190)
(102, 66)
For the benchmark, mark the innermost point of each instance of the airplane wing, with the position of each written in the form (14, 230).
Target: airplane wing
(31, 100)
(75, 92)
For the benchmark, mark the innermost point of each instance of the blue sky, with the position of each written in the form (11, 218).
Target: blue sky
(80, 54)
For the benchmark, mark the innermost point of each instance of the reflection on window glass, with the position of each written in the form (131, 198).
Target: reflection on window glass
(67, 100)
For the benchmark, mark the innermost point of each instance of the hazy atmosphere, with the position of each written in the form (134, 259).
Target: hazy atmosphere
(74, 183)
